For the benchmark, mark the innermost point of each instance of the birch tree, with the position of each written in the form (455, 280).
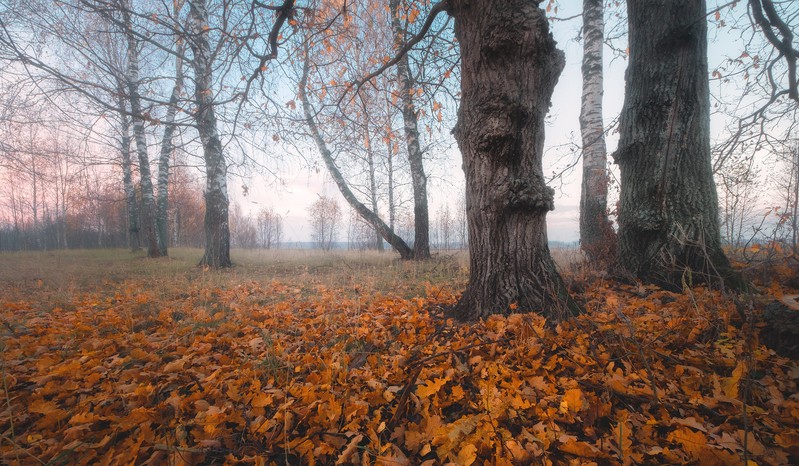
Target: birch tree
(597, 238)
(217, 228)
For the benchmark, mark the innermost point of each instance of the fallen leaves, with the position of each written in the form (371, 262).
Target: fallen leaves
(266, 374)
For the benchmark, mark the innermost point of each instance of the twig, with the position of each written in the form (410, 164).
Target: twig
(648, 368)
(18, 448)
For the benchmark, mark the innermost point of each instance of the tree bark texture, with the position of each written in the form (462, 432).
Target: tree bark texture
(217, 227)
(668, 219)
(148, 210)
(127, 180)
(509, 68)
(368, 215)
(165, 158)
(597, 238)
(421, 215)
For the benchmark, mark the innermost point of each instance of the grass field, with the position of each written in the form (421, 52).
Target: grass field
(90, 270)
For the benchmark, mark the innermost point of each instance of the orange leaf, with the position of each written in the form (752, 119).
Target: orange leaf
(174, 366)
(467, 455)
(430, 387)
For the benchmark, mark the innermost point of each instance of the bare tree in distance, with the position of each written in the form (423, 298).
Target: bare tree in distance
(270, 228)
(325, 217)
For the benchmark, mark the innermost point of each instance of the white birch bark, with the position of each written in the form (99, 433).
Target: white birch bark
(421, 216)
(127, 177)
(145, 179)
(368, 215)
(167, 148)
(597, 238)
(217, 227)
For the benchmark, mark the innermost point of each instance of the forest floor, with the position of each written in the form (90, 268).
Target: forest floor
(298, 357)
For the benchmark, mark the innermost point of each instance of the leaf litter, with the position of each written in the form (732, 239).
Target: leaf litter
(263, 374)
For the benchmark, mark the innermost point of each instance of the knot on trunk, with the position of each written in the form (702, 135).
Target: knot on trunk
(499, 129)
(647, 219)
(530, 194)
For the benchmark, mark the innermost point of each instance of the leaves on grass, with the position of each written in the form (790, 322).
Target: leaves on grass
(271, 375)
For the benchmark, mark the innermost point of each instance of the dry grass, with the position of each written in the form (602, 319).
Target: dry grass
(60, 275)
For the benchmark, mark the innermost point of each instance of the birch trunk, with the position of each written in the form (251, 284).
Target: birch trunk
(597, 238)
(368, 215)
(127, 179)
(509, 68)
(370, 162)
(421, 216)
(145, 179)
(392, 209)
(167, 148)
(217, 228)
(669, 220)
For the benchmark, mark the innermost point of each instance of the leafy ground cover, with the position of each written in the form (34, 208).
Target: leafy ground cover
(350, 359)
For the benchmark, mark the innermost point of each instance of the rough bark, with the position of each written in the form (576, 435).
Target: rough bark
(367, 214)
(148, 210)
(127, 179)
(597, 238)
(509, 68)
(165, 158)
(781, 332)
(421, 215)
(217, 227)
(668, 220)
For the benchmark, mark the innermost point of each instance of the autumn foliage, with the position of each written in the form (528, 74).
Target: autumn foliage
(286, 373)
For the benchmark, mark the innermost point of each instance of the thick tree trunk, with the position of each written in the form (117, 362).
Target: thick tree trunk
(509, 67)
(668, 220)
(368, 215)
(148, 210)
(217, 228)
(597, 238)
(127, 180)
(165, 158)
(421, 215)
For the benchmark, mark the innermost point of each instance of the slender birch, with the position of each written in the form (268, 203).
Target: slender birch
(597, 238)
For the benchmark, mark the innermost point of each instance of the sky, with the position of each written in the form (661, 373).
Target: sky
(301, 186)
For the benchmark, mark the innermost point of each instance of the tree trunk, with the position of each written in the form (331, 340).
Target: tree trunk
(127, 180)
(597, 238)
(167, 147)
(368, 215)
(217, 228)
(668, 220)
(421, 216)
(509, 66)
(145, 179)
(392, 208)
(370, 161)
